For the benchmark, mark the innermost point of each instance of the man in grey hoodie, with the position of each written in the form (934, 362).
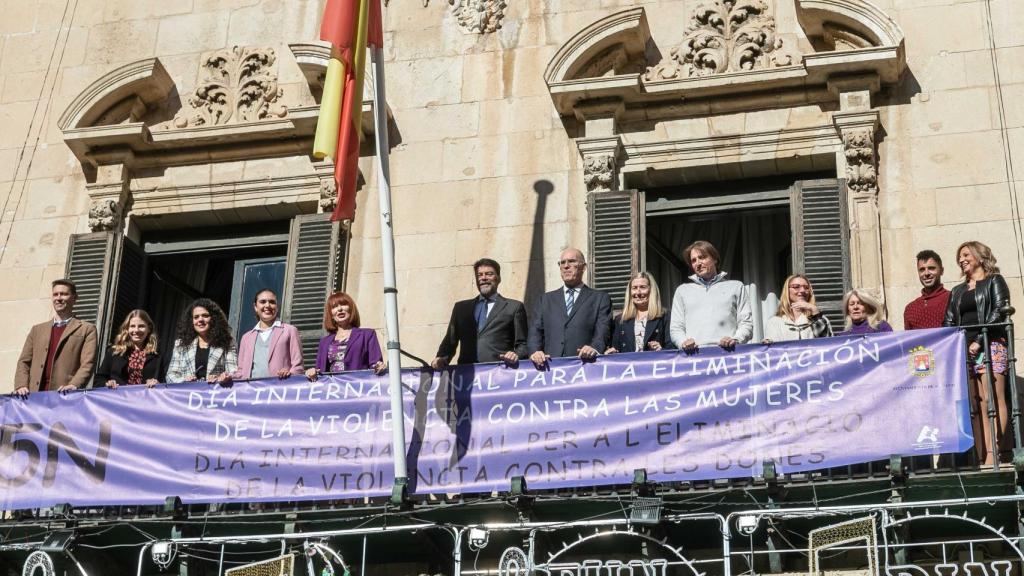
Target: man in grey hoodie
(711, 310)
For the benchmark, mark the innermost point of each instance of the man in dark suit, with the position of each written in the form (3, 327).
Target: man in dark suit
(59, 354)
(574, 320)
(488, 328)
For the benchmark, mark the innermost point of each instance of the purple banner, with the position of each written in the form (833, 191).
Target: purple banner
(806, 405)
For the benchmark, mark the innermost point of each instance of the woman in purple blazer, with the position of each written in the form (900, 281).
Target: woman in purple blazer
(271, 348)
(347, 346)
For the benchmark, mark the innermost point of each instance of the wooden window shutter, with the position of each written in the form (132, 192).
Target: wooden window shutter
(89, 257)
(130, 290)
(106, 293)
(822, 253)
(615, 233)
(316, 251)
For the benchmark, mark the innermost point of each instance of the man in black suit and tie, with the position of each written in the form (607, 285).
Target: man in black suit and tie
(574, 320)
(488, 328)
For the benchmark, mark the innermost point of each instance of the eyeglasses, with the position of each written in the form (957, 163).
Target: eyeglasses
(569, 262)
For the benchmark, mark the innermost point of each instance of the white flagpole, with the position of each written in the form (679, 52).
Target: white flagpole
(387, 240)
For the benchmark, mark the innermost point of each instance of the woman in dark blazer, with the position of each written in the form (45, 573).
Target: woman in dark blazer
(133, 359)
(643, 324)
(347, 346)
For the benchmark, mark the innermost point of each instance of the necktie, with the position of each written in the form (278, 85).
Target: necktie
(481, 314)
(570, 299)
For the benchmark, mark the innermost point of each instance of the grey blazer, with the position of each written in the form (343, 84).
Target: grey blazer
(558, 335)
(504, 330)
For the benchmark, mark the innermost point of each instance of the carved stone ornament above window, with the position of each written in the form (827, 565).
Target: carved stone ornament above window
(475, 16)
(725, 36)
(478, 16)
(240, 86)
(133, 111)
(731, 51)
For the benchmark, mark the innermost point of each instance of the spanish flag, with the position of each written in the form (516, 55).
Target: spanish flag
(350, 26)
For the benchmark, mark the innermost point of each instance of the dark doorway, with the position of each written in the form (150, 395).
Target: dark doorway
(755, 246)
(228, 267)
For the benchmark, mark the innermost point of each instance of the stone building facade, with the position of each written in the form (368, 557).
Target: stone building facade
(156, 150)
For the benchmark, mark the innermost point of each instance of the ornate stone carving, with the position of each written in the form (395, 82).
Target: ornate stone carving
(479, 16)
(240, 86)
(725, 36)
(328, 194)
(861, 161)
(599, 172)
(475, 16)
(104, 215)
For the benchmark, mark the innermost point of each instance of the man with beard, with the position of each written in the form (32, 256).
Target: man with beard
(488, 328)
(928, 309)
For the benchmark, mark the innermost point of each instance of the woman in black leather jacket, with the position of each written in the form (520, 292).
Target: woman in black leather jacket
(981, 300)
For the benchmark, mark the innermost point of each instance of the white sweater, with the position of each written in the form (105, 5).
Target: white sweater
(782, 329)
(709, 313)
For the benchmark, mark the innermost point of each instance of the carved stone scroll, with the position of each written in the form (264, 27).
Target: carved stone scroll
(104, 215)
(599, 172)
(601, 155)
(725, 36)
(240, 86)
(479, 16)
(328, 194)
(861, 160)
(475, 16)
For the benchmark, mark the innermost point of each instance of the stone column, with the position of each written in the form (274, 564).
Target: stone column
(600, 145)
(858, 164)
(110, 193)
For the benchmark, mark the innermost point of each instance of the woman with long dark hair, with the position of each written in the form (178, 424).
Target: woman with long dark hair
(204, 348)
(133, 358)
(981, 299)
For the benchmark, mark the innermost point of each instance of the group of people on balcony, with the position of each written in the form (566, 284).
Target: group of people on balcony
(572, 320)
(61, 354)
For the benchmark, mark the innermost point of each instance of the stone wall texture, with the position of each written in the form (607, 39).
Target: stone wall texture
(480, 134)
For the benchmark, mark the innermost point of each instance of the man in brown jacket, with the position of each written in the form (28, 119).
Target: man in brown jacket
(59, 354)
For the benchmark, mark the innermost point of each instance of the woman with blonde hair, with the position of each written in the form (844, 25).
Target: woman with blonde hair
(643, 323)
(864, 314)
(133, 358)
(798, 316)
(982, 299)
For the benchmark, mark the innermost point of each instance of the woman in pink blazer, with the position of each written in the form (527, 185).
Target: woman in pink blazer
(271, 348)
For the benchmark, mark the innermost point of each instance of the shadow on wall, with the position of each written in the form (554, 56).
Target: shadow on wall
(535, 273)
